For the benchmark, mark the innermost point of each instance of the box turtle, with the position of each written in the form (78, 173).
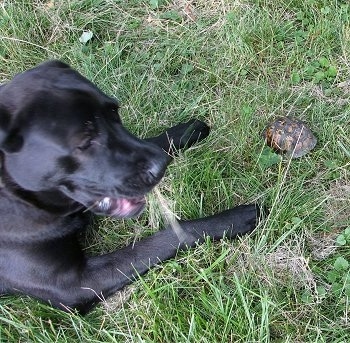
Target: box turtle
(290, 136)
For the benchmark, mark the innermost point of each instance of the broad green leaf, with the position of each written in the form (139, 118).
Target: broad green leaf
(324, 62)
(332, 71)
(341, 264)
(268, 158)
(154, 4)
(186, 68)
(341, 240)
(333, 276)
(295, 78)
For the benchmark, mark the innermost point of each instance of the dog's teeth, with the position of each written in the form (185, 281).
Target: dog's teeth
(105, 203)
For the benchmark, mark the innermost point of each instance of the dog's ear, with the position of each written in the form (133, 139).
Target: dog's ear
(15, 94)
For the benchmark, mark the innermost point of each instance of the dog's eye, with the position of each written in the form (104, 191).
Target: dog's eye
(85, 144)
(87, 137)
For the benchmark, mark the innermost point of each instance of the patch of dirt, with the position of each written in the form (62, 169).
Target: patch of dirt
(322, 245)
(336, 218)
(286, 266)
(117, 301)
(337, 205)
(189, 11)
(317, 92)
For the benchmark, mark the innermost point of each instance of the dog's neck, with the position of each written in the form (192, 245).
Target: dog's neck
(52, 201)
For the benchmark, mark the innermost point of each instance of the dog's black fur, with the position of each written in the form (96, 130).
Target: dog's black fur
(64, 155)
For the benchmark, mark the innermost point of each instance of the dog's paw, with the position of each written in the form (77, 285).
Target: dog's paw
(185, 135)
(234, 222)
(246, 219)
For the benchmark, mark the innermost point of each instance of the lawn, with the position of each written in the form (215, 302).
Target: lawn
(236, 65)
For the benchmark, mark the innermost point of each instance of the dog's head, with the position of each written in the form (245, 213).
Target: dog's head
(61, 136)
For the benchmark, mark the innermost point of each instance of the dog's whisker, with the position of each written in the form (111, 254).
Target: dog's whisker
(91, 206)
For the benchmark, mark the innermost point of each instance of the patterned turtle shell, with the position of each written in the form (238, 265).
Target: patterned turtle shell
(290, 136)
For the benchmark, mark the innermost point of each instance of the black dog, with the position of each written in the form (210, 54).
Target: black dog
(65, 154)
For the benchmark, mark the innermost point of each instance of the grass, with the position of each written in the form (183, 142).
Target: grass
(236, 65)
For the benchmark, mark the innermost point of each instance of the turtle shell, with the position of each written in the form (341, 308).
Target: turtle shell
(290, 136)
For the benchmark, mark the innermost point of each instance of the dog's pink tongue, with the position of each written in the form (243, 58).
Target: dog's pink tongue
(124, 207)
(121, 207)
(129, 207)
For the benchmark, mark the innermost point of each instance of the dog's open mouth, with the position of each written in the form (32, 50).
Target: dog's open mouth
(120, 207)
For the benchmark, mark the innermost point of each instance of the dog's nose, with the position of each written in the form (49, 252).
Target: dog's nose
(155, 171)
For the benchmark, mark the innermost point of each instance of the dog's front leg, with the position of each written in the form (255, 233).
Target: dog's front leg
(181, 136)
(107, 273)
